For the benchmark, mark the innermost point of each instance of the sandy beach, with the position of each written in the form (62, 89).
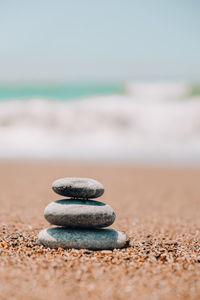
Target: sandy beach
(157, 208)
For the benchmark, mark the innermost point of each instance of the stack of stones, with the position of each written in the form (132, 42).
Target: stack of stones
(80, 219)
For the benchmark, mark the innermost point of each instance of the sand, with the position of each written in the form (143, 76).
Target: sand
(157, 208)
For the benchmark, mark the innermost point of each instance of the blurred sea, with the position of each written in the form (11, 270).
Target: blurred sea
(136, 122)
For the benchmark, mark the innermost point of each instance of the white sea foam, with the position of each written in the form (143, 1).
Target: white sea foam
(151, 123)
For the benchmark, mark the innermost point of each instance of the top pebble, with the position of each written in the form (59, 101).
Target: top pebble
(78, 187)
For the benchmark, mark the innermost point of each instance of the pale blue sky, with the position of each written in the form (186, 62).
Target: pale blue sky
(66, 40)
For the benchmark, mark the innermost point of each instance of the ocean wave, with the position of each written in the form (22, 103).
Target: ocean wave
(148, 124)
(158, 91)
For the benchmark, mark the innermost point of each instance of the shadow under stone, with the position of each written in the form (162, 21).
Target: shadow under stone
(79, 201)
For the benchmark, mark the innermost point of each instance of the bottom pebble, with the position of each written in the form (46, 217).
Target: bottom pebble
(95, 239)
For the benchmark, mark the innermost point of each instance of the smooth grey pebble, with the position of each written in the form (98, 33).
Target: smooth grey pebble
(78, 187)
(79, 213)
(96, 239)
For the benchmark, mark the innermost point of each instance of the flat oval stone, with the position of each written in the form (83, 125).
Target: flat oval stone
(78, 187)
(79, 213)
(96, 239)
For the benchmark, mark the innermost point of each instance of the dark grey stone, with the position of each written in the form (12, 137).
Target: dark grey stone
(78, 187)
(95, 239)
(79, 213)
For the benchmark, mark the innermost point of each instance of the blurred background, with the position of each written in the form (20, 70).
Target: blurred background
(107, 81)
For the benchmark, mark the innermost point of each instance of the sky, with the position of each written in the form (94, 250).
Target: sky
(62, 40)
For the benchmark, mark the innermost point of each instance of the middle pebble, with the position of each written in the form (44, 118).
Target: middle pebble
(79, 213)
